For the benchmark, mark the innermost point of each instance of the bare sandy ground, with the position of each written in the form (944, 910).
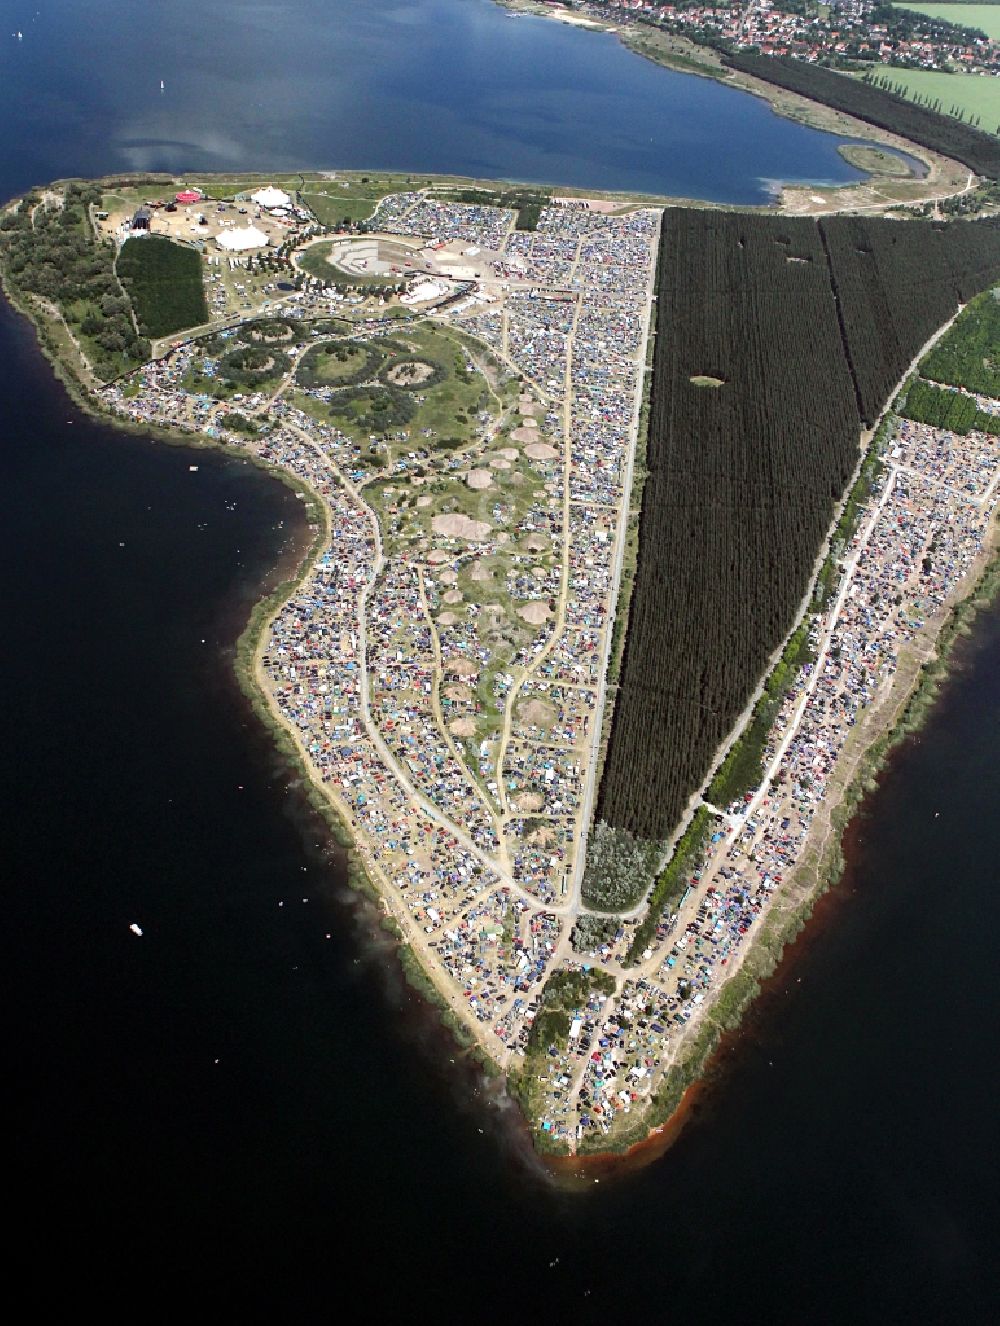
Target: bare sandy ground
(537, 712)
(529, 801)
(460, 527)
(540, 451)
(534, 613)
(461, 667)
(410, 374)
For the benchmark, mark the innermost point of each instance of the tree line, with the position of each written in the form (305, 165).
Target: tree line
(48, 248)
(808, 327)
(973, 147)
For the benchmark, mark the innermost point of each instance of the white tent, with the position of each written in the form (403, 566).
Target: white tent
(239, 240)
(270, 197)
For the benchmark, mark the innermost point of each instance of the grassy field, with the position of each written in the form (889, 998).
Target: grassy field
(875, 161)
(975, 94)
(446, 409)
(984, 17)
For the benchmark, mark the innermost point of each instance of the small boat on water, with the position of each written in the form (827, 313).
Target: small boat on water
(136, 929)
(161, 84)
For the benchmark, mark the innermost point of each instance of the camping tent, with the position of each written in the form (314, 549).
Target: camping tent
(270, 197)
(238, 241)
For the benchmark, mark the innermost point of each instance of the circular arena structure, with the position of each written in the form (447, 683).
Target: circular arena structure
(359, 257)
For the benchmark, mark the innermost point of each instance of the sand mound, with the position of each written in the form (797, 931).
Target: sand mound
(508, 453)
(453, 596)
(448, 577)
(425, 500)
(460, 527)
(461, 667)
(538, 712)
(447, 619)
(499, 463)
(535, 543)
(528, 422)
(523, 434)
(462, 727)
(438, 556)
(480, 572)
(529, 801)
(534, 613)
(540, 451)
(458, 692)
(479, 479)
(410, 374)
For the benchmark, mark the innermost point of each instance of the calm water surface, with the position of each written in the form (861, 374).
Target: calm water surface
(447, 85)
(247, 1098)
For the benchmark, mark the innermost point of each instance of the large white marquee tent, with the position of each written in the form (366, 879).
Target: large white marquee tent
(238, 241)
(270, 197)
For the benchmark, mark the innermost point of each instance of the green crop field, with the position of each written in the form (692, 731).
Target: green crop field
(984, 17)
(163, 280)
(975, 94)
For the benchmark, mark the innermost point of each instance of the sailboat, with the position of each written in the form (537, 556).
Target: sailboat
(161, 84)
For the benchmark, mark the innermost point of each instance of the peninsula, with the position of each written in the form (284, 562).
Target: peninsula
(635, 529)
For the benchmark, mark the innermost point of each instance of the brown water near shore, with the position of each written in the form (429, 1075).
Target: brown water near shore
(703, 1095)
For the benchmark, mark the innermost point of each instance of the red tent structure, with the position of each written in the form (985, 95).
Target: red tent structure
(188, 196)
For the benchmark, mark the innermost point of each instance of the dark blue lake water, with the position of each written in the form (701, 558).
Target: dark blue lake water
(245, 1112)
(448, 85)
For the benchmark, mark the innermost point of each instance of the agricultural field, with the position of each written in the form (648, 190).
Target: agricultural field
(984, 17)
(977, 96)
(808, 327)
(163, 281)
